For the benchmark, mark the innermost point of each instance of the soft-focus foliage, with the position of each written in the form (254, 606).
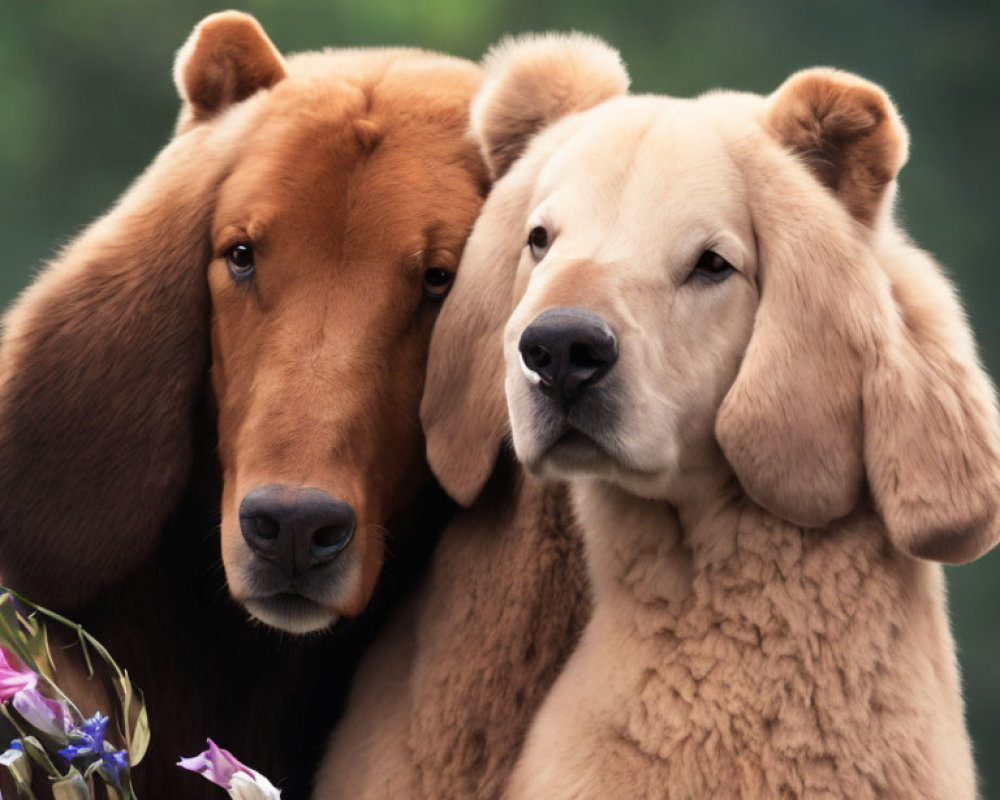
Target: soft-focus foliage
(86, 99)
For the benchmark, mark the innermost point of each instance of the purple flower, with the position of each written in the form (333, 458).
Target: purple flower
(214, 764)
(223, 769)
(14, 677)
(48, 716)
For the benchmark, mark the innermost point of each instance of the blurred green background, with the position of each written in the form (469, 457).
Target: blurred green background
(86, 98)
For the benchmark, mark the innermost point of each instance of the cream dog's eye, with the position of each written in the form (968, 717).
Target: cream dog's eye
(538, 241)
(711, 267)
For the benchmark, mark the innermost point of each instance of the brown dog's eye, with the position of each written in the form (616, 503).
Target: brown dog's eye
(437, 282)
(711, 267)
(538, 241)
(240, 261)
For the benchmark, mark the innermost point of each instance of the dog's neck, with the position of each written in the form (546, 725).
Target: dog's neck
(657, 553)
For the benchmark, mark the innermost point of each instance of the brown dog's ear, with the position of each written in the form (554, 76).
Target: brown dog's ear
(532, 81)
(846, 130)
(226, 59)
(101, 365)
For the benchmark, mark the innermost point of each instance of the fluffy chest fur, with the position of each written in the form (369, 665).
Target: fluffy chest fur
(749, 658)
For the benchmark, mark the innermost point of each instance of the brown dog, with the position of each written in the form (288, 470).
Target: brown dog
(293, 242)
(444, 698)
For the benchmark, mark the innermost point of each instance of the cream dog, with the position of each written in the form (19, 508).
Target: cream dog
(771, 412)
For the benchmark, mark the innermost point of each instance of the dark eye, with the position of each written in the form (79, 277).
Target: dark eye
(711, 267)
(437, 282)
(239, 259)
(538, 241)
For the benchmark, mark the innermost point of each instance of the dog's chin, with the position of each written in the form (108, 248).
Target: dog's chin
(572, 453)
(291, 612)
(554, 448)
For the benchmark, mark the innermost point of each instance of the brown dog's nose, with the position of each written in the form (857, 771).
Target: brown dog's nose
(296, 528)
(568, 349)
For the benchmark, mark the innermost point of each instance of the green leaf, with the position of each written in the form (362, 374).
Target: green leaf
(139, 743)
(36, 751)
(37, 642)
(73, 787)
(11, 635)
(17, 764)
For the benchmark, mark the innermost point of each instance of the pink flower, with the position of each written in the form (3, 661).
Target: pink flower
(14, 678)
(223, 769)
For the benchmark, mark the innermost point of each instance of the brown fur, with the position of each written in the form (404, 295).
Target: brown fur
(444, 697)
(316, 369)
(786, 445)
(442, 702)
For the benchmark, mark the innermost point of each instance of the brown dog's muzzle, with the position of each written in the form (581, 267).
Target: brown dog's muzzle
(297, 529)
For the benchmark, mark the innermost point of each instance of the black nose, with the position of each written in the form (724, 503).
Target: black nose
(569, 349)
(296, 528)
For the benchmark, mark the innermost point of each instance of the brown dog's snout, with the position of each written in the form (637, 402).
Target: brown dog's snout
(296, 528)
(569, 349)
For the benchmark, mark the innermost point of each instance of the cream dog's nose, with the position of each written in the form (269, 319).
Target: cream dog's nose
(568, 349)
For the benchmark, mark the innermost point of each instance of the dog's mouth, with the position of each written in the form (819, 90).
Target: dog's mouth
(292, 612)
(579, 441)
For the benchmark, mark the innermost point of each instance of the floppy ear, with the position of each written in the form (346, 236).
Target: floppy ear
(530, 83)
(861, 363)
(102, 362)
(932, 430)
(227, 58)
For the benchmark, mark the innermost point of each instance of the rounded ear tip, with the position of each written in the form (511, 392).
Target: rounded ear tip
(227, 57)
(573, 50)
(821, 88)
(461, 485)
(955, 544)
(535, 78)
(220, 19)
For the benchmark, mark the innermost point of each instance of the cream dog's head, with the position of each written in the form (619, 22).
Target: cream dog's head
(711, 288)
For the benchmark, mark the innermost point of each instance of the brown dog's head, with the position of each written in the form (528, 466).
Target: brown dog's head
(295, 239)
(690, 290)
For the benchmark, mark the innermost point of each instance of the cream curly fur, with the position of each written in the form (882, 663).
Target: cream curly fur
(787, 451)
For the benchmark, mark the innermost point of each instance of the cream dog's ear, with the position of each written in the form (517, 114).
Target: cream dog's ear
(846, 130)
(932, 430)
(227, 58)
(862, 364)
(533, 81)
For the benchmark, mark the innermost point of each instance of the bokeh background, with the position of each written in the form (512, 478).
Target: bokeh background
(86, 99)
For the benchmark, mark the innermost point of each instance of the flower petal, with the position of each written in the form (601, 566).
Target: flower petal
(14, 677)
(252, 787)
(214, 764)
(48, 716)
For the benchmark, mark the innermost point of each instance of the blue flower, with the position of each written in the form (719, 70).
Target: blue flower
(86, 740)
(87, 745)
(113, 762)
